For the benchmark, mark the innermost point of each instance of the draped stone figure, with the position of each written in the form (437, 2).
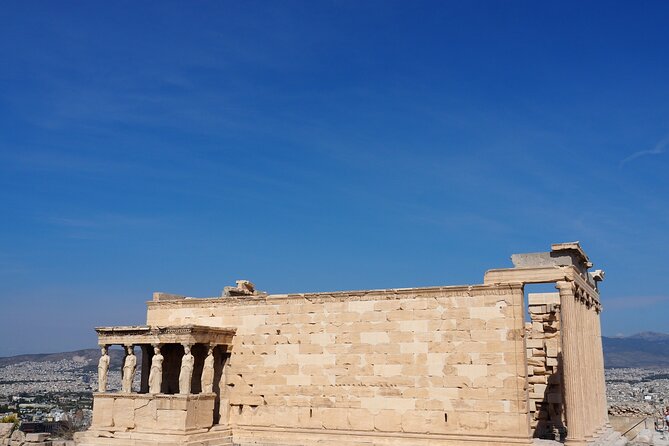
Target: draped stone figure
(103, 368)
(156, 372)
(129, 367)
(208, 373)
(186, 372)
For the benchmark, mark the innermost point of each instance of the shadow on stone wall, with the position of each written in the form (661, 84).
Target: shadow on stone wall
(550, 425)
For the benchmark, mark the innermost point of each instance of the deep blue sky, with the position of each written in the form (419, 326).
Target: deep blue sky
(313, 146)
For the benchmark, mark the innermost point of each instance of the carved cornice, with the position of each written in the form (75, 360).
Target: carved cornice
(181, 334)
(345, 296)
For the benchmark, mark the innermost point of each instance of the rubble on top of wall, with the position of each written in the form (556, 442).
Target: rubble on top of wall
(242, 289)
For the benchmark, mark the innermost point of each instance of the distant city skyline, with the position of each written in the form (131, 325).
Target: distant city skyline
(316, 146)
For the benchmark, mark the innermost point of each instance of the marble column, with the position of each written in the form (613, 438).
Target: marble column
(604, 411)
(584, 372)
(597, 368)
(573, 405)
(592, 390)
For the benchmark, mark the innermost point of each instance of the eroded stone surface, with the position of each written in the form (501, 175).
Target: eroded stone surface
(6, 429)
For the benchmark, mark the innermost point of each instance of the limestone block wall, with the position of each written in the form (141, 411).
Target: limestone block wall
(153, 413)
(544, 365)
(445, 364)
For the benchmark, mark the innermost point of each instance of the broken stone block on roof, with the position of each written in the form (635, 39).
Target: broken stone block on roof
(243, 288)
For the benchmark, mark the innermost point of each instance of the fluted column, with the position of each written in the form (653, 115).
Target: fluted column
(604, 411)
(594, 368)
(598, 371)
(584, 361)
(593, 388)
(588, 388)
(573, 404)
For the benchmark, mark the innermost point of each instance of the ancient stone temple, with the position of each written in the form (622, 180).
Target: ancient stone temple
(448, 365)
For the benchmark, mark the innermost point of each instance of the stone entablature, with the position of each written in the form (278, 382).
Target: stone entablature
(155, 335)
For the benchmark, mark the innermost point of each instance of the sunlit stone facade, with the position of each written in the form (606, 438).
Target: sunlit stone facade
(447, 365)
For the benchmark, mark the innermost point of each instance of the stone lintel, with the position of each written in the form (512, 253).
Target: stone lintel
(550, 274)
(183, 334)
(545, 274)
(543, 298)
(156, 396)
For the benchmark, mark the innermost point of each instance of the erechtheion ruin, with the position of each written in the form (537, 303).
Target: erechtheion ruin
(448, 365)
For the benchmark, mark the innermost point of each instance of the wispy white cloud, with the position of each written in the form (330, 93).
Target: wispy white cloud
(101, 220)
(659, 149)
(97, 226)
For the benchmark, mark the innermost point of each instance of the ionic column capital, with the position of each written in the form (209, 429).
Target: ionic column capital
(564, 286)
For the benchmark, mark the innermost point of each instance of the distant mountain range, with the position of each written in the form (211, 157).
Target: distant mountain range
(88, 358)
(645, 350)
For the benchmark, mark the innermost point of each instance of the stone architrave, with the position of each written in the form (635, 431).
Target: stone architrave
(208, 373)
(186, 372)
(129, 368)
(103, 368)
(156, 372)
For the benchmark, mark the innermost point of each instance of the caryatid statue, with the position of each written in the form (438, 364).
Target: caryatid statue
(103, 367)
(186, 372)
(156, 372)
(208, 372)
(129, 367)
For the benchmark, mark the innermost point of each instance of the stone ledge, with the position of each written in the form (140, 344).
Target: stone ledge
(346, 296)
(258, 435)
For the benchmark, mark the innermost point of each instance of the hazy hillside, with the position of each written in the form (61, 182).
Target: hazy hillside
(646, 349)
(88, 358)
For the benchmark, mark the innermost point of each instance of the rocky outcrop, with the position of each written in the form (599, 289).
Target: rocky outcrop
(633, 410)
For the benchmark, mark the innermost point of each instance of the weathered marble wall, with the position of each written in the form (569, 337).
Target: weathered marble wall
(392, 365)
